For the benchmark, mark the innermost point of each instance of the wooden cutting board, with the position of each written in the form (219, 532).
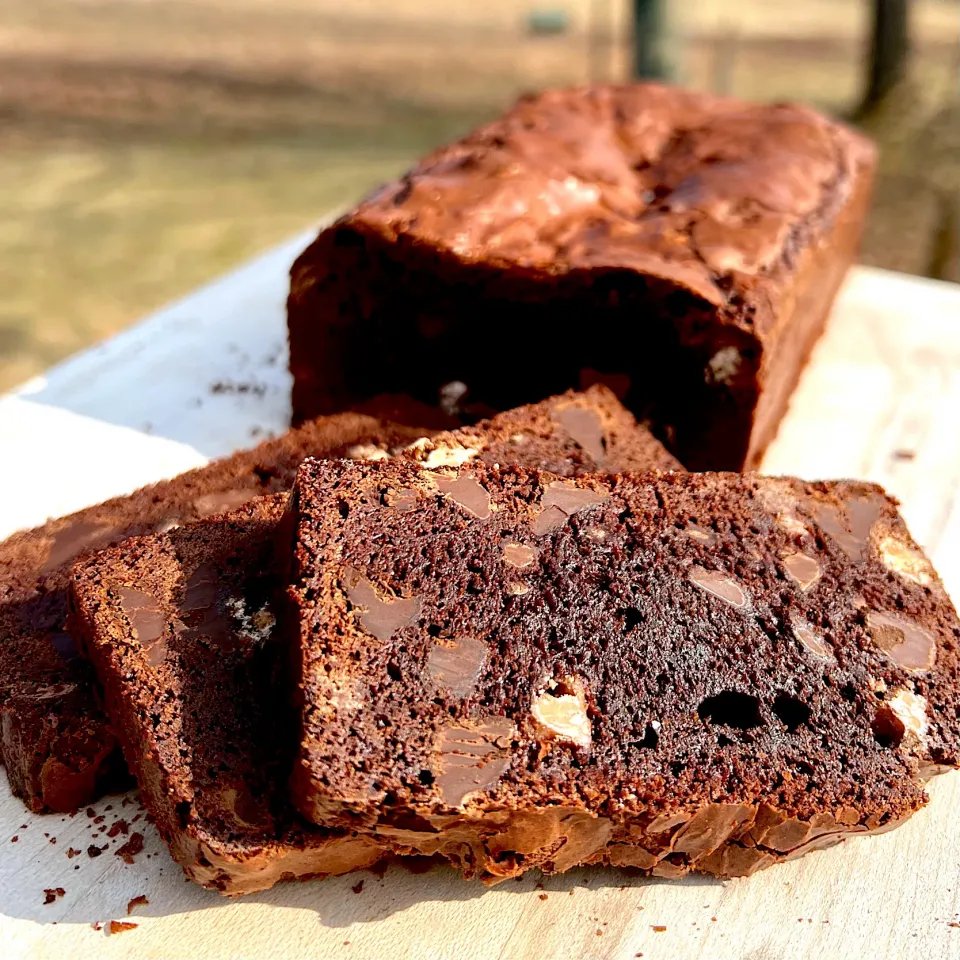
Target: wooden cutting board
(881, 400)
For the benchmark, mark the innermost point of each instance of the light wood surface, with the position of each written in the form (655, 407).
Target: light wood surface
(881, 400)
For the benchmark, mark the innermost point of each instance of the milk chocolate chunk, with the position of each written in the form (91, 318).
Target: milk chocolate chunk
(468, 492)
(719, 585)
(223, 500)
(383, 616)
(73, 540)
(147, 622)
(803, 570)
(456, 665)
(561, 500)
(810, 638)
(518, 555)
(201, 612)
(850, 525)
(911, 646)
(471, 758)
(585, 429)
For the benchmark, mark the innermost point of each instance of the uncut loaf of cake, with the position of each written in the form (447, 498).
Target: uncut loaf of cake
(181, 629)
(709, 672)
(55, 740)
(684, 248)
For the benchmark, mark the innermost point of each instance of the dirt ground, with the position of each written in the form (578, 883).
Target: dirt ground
(146, 147)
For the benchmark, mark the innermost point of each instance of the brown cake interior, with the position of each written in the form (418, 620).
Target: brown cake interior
(730, 639)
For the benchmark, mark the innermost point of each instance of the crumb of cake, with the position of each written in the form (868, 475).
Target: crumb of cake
(544, 896)
(96, 925)
(130, 849)
(119, 826)
(140, 901)
(52, 894)
(93, 850)
(357, 887)
(121, 926)
(14, 839)
(659, 928)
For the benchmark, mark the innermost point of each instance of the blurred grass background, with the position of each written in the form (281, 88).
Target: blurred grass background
(148, 145)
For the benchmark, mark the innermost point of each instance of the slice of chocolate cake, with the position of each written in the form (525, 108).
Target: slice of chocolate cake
(707, 672)
(179, 626)
(568, 435)
(56, 743)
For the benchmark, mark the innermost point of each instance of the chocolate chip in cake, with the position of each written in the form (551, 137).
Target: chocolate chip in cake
(561, 500)
(803, 570)
(455, 665)
(719, 585)
(585, 428)
(73, 539)
(471, 759)
(911, 646)
(147, 622)
(468, 493)
(383, 616)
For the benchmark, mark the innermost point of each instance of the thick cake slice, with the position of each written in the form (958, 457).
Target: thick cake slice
(568, 435)
(179, 626)
(180, 629)
(681, 246)
(686, 671)
(54, 739)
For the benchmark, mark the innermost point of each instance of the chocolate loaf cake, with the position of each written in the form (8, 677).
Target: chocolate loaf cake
(54, 738)
(678, 672)
(180, 628)
(682, 247)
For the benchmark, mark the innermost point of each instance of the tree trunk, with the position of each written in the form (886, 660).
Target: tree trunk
(650, 59)
(889, 47)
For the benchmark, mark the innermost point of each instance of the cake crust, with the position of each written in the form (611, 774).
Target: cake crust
(684, 248)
